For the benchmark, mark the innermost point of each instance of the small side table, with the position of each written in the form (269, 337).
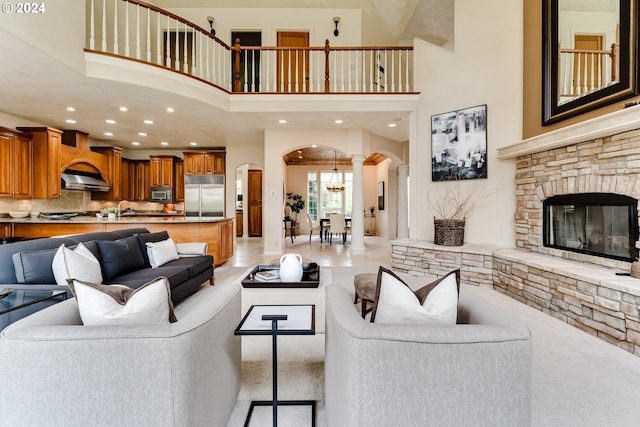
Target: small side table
(277, 320)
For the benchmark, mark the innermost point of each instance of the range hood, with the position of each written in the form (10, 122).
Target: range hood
(76, 180)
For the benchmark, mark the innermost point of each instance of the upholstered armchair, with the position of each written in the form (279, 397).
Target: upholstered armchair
(474, 373)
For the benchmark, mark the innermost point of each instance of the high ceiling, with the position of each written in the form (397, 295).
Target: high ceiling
(38, 88)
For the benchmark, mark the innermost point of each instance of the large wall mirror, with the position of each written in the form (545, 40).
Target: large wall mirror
(589, 55)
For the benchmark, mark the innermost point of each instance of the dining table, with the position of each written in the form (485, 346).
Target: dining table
(324, 226)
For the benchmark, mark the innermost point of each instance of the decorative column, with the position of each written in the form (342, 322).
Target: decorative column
(357, 214)
(403, 202)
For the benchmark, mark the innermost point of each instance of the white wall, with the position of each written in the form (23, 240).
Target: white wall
(318, 22)
(485, 68)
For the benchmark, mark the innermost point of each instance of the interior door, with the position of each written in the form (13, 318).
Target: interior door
(293, 64)
(254, 183)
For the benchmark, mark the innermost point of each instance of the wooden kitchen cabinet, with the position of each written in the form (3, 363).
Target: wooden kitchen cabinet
(239, 223)
(46, 161)
(127, 179)
(16, 172)
(143, 180)
(5, 229)
(179, 190)
(114, 176)
(225, 240)
(162, 171)
(204, 162)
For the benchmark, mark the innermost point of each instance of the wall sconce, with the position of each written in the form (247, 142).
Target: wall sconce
(210, 19)
(336, 19)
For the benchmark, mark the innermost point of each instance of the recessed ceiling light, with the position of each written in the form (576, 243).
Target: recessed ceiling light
(392, 125)
(193, 143)
(111, 122)
(164, 143)
(148, 122)
(71, 109)
(282, 121)
(170, 110)
(70, 121)
(314, 145)
(108, 133)
(135, 143)
(142, 134)
(338, 122)
(123, 108)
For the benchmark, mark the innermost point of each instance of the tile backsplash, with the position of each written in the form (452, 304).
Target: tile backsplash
(70, 201)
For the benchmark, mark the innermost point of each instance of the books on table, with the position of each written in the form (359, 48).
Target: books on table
(268, 276)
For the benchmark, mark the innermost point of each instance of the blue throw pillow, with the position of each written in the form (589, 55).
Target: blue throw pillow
(120, 257)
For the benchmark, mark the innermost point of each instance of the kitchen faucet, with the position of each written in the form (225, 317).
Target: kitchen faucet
(119, 204)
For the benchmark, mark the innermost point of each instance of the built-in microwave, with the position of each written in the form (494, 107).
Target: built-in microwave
(161, 195)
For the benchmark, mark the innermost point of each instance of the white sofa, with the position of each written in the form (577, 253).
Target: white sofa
(57, 372)
(473, 374)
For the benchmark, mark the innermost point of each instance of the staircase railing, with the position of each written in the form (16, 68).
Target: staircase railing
(142, 32)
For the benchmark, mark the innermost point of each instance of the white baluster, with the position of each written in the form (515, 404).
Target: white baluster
(138, 32)
(406, 70)
(148, 35)
(126, 31)
(167, 47)
(176, 54)
(92, 29)
(208, 75)
(244, 73)
(158, 31)
(185, 62)
(104, 26)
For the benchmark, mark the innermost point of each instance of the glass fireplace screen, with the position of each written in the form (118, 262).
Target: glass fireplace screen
(598, 224)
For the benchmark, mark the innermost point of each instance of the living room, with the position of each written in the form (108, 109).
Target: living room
(493, 57)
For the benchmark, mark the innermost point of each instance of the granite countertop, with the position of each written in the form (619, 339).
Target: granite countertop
(86, 219)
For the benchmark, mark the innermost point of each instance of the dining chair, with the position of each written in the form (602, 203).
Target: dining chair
(337, 226)
(311, 226)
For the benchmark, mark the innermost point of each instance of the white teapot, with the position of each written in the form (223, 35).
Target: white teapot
(291, 268)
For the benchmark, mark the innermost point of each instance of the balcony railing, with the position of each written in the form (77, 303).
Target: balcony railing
(583, 71)
(143, 32)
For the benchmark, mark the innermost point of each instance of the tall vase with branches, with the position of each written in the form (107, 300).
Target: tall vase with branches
(450, 213)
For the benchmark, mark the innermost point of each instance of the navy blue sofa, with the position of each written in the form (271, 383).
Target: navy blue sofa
(123, 259)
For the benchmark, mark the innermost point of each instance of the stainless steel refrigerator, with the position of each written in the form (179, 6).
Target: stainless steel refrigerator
(204, 196)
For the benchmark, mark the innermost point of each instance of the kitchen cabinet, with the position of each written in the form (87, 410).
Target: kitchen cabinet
(239, 225)
(204, 162)
(127, 179)
(178, 193)
(16, 170)
(162, 171)
(225, 240)
(114, 175)
(46, 161)
(5, 229)
(143, 180)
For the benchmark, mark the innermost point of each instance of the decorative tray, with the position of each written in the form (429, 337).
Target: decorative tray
(310, 278)
(58, 216)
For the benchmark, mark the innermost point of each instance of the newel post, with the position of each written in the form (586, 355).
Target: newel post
(236, 77)
(326, 66)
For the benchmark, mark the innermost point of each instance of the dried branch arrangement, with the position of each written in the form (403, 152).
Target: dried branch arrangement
(455, 204)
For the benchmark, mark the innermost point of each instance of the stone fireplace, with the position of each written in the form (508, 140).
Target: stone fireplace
(577, 192)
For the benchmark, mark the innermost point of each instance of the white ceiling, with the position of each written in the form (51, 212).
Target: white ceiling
(38, 88)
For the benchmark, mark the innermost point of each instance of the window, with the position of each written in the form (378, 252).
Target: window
(321, 202)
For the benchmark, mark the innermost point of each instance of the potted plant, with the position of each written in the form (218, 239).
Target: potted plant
(372, 210)
(111, 213)
(296, 203)
(450, 214)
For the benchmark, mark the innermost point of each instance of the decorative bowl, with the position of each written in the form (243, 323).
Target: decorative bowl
(18, 214)
(34, 214)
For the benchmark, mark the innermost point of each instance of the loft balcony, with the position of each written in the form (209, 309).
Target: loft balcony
(136, 31)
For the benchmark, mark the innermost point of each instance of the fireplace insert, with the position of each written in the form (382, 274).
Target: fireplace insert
(601, 224)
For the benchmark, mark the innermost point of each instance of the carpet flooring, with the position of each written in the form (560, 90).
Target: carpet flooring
(578, 379)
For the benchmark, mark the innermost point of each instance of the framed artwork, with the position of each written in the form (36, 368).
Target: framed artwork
(381, 196)
(459, 144)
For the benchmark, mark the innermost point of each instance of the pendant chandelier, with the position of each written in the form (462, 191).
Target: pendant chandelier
(335, 187)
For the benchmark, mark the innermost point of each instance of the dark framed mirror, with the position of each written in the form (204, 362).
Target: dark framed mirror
(589, 55)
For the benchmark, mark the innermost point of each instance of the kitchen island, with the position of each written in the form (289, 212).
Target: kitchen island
(217, 233)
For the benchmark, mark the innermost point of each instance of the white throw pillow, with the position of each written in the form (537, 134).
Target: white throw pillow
(101, 305)
(435, 303)
(161, 252)
(79, 264)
